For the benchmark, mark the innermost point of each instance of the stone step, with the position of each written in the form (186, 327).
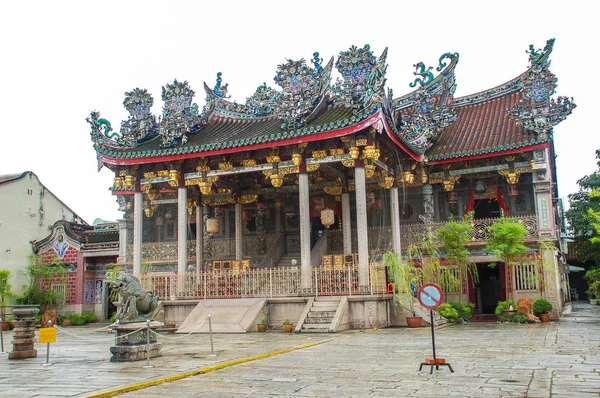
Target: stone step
(325, 303)
(329, 308)
(312, 326)
(325, 330)
(317, 320)
(321, 314)
(336, 299)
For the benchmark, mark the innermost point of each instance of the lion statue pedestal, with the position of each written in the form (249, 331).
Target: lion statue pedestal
(132, 341)
(136, 337)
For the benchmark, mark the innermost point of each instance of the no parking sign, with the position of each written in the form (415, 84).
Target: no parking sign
(430, 296)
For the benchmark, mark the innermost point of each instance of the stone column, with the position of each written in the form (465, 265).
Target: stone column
(181, 237)
(395, 219)
(428, 205)
(199, 238)
(138, 219)
(361, 224)
(122, 259)
(304, 200)
(239, 233)
(346, 223)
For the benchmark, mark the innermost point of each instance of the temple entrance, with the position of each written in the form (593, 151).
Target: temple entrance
(487, 208)
(488, 291)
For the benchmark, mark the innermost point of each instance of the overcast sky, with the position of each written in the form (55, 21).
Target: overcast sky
(60, 60)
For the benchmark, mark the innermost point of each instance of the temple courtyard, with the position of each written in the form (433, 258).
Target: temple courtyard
(558, 359)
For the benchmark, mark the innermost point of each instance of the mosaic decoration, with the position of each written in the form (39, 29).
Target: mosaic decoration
(538, 111)
(363, 81)
(141, 124)
(304, 89)
(220, 91)
(103, 135)
(430, 113)
(263, 101)
(90, 288)
(180, 116)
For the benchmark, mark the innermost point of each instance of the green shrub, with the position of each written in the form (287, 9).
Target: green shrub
(541, 306)
(448, 311)
(89, 317)
(504, 317)
(465, 310)
(76, 320)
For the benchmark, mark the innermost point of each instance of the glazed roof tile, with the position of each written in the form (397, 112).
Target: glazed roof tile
(481, 129)
(226, 133)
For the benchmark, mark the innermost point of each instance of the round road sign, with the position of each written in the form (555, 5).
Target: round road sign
(430, 296)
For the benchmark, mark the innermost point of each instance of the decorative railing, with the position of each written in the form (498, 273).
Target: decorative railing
(254, 246)
(266, 282)
(380, 237)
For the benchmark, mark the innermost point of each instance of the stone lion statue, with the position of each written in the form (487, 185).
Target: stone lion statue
(136, 304)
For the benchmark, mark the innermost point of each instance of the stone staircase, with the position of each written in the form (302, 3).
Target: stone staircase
(324, 315)
(286, 259)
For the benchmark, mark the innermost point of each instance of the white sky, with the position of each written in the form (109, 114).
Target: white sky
(60, 60)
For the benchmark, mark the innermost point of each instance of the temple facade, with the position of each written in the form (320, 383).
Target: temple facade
(298, 191)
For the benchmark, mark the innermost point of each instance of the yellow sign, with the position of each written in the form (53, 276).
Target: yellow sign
(48, 335)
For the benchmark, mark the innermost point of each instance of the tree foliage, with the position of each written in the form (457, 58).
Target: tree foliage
(583, 216)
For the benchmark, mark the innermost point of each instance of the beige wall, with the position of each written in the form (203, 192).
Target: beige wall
(27, 211)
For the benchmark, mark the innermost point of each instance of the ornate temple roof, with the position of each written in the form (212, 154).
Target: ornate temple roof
(78, 234)
(429, 124)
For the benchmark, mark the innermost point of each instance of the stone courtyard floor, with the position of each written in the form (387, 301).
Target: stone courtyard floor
(558, 359)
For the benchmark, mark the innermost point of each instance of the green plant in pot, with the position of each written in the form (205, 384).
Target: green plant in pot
(404, 275)
(262, 325)
(5, 294)
(542, 308)
(287, 326)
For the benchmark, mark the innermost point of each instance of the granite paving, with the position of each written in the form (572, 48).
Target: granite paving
(556, 359)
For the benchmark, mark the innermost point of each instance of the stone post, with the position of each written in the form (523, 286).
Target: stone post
(181, 237)
(346, 223)
(304, 200)
(239, 233)
(138, 219)
(395, 219)
(361, 224)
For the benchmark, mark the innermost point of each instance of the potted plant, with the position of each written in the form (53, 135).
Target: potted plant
(287, 326)
(542, 307)
(404, 276)
(262, 326)
(5, 293)
(592, 292)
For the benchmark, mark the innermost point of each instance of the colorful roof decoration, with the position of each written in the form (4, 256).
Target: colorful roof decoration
(427, 123)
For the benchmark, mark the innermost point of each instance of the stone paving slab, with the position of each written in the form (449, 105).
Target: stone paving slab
(559, 359)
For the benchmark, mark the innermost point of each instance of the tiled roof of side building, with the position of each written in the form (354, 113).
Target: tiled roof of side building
(482, 129)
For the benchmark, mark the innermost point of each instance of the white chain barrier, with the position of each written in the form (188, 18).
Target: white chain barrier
(179, 337)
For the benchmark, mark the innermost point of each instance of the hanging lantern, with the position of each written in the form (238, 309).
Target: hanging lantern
(354, 152)
(369, 170)
(327, 217)
(452, 197)
(212, 226)
(513, 190)
(118, 182)
(480, 187)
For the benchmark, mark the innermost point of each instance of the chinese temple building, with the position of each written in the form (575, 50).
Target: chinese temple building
(297, 192)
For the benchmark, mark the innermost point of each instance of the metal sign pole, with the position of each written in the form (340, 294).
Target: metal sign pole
(48, 348)
(432, 332)
(212, 348)
(1, 339)
(148, 346)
